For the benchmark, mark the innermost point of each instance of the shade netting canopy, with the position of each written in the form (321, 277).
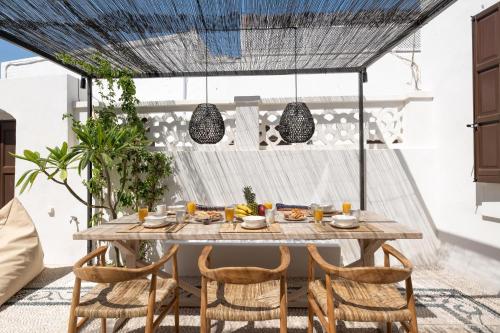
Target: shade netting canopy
(241, 37)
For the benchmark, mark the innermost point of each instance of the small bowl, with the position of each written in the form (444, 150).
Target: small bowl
(155, 219)
(327, 208)
(254, 221)
(345, 221)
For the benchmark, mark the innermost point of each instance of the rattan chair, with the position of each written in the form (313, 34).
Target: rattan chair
(243, 293)
(367, 294)
(124, 292)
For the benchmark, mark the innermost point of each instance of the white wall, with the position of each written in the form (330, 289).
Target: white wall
(393, 72)
(457, 204)
(38, 104)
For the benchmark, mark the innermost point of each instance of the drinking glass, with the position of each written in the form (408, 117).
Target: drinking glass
(229, 214)
(142, 211)
(318, 214)
(270, 216)
(191, 207)
(346, 208)
(180, 216)
(161, 209)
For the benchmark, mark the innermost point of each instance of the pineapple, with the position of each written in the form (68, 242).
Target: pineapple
(250, 199)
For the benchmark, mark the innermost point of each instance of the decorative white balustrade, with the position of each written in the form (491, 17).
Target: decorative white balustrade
(251, 123)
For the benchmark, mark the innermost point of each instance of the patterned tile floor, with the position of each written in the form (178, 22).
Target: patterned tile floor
(446, 301)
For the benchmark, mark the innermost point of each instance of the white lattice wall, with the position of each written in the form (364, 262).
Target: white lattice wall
(338, 127)
(251, 123)
(169, 130)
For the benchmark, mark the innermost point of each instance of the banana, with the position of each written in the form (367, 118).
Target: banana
(244, 208)
(240, 215)
(241, 212)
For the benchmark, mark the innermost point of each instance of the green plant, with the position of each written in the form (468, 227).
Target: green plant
(124, 170)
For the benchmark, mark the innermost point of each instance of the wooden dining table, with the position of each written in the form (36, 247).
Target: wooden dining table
(125, 234)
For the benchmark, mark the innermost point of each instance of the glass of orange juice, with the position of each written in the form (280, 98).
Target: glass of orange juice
(142, 211)
(191, 207)
(346, 208)
(268, 205)
(229, 214)
(318, 214)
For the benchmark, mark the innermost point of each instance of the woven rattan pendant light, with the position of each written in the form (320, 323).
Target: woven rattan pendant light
(206, 125)
(297, 123)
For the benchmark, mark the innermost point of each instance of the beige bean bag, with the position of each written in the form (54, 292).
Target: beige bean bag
(21, 255)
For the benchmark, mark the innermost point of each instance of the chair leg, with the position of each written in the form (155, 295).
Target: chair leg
(283, 325)
(176, 314)
(203, 306)
(413, 325)
(73, 319)
(410, 297)
(332, 326)
(283, 304)
(310, 316)
(72, 323)
(103, 325)
(388, 327)
(149, 322)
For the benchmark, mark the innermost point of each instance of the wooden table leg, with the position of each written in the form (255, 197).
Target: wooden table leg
(368, 247)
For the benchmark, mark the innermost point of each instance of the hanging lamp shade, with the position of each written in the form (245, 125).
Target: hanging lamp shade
(206, 125)
(296, 124)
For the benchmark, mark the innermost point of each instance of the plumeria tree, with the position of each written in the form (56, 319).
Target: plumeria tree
(124, 170)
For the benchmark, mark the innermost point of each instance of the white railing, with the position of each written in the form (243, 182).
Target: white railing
(251, 122)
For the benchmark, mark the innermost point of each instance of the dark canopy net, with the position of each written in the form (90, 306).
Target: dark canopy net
(242, 37)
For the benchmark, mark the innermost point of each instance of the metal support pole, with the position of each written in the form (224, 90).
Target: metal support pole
(89, 167)
(362, 171)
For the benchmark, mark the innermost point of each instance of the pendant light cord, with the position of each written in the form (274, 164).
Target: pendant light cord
(206, 66)
(295, 53)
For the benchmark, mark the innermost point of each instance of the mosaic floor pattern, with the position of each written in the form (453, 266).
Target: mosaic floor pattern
(446, 302)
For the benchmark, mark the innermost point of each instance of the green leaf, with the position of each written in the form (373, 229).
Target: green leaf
(63, 174)
(30, 155)
(30, 180)
(32, 177)
(23, 176)
(64, 148)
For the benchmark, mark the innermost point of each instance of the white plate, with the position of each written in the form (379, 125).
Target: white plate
(244, 225)
(344, 225)
(155, 218)
(155, 225)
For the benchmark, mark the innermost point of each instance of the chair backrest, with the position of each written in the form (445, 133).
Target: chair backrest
(375, 275)
(100, 274)
(103, 274)
(242, 275)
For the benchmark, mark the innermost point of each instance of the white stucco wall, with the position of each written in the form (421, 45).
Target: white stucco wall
(458, 202)
(38, 104)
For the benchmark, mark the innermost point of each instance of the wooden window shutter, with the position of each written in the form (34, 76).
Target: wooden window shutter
(486, 61)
